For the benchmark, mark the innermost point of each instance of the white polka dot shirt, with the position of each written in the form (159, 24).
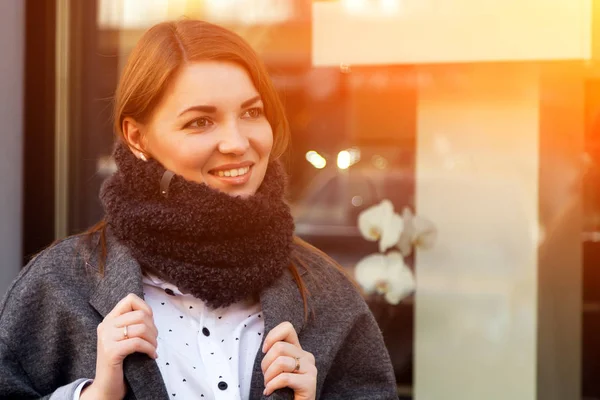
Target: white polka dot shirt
(203, 353)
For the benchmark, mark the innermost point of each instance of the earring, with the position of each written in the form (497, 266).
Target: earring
(143, 156)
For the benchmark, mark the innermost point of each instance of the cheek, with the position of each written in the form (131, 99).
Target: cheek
(182, 154)
(263, 140)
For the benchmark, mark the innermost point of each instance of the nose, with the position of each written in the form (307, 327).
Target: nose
(233, 141)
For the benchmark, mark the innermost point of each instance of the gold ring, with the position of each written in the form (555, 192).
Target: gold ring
(297, 367)
(125, 335)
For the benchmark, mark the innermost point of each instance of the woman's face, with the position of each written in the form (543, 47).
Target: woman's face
(209, 128)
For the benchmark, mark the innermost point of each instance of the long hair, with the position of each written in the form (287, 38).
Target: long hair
(155, 61)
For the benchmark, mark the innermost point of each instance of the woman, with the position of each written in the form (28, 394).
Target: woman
(193, 286)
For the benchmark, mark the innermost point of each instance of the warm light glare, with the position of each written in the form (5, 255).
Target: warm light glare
(347, 158)
(376, 7)
(390, 6)
(354, 155)
(355, 6)
(343, 159)
(379, 162)
(248, 12)
(362, 32)
(317, 160)
(357, 201)
(140, 14)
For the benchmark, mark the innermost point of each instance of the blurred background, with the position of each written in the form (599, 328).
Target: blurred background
(482, 116)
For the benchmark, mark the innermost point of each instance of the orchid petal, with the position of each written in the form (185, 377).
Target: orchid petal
(401, 281)
(371, 220)
(425, 233)
(370, 271)
(391, 232)
(387, 275)
(405, 242)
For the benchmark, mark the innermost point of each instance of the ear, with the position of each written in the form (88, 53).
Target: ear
(132, 130)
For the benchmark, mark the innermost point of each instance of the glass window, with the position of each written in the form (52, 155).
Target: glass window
(478, 118)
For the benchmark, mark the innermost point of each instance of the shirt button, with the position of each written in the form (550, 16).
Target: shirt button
(223, 385)
(205, 331)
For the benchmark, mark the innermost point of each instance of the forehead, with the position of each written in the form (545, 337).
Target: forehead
(210, 83)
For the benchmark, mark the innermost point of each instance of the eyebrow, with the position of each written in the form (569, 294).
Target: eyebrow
(213, 109)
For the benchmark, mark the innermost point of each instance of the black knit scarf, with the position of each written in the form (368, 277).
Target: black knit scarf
(219, 248)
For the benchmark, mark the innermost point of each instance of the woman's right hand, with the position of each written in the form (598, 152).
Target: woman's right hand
(113, 346)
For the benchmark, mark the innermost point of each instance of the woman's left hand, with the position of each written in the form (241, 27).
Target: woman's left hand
(286, 365)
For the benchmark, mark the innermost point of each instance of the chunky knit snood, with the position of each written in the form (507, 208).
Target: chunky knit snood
(219, 248)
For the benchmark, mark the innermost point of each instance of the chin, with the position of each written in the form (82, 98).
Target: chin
(238, 192)
(246, 190)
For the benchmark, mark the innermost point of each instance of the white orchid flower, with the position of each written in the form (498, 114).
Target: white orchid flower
(405, 243)
(425, 233)
(380, 222)
(386, 274)
(418, 232)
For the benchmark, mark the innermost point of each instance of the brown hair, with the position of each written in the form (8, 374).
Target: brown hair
(167, 47)
(153, 64)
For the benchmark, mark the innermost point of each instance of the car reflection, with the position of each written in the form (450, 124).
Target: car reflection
(327, 215)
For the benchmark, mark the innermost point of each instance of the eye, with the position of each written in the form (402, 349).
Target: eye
(201, 122)
(253, 113)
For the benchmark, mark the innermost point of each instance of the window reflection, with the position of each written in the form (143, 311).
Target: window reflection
(356, 126)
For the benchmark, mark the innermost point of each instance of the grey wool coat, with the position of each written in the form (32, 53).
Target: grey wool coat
(49, 316)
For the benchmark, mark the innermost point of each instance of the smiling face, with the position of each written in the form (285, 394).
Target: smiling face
(209, 127)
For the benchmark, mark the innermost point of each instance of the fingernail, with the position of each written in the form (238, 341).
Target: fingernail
(155, 356)
(265, 392)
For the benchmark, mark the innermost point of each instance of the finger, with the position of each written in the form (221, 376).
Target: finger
(134, 345)
(283, 332)
(142, 331)
(281, 365)
(280, 349)
(132, 318)
(299, 383)
(131, 302)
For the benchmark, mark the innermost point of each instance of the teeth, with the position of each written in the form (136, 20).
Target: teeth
(233, 172)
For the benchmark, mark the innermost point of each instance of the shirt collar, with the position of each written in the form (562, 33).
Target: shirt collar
(155, 281)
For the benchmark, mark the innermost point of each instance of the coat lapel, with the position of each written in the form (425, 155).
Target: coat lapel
(280, 302)
(122, 276)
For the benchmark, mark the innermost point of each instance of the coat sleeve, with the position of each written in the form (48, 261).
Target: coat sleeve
(31, 320)
(362, 369)
(14, 383)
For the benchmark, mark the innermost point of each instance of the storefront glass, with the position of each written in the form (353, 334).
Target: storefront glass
(463, 130)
